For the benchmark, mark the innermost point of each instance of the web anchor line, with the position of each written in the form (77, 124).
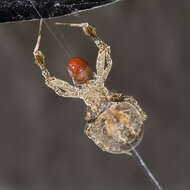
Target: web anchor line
(136, 156)
(51, 31)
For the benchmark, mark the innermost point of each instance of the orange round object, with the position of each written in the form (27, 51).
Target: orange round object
(79, 70)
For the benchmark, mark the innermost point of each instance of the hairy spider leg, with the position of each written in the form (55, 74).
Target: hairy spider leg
(61, 88)
(103, 53)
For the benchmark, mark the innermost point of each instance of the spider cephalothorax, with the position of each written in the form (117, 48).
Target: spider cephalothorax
(114, 121)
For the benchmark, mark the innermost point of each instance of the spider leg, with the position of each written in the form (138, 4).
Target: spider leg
(109, 64)
(104, 53)
(60, 87)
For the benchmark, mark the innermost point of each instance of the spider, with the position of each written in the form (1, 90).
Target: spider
(113, 121)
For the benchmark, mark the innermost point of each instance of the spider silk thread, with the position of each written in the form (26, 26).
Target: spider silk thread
(136, 156)
(61, 45)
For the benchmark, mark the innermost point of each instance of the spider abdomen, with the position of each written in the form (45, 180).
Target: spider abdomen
(118, 128)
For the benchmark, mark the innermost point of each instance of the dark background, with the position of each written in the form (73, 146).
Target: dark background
(42, 145)
(16, 10)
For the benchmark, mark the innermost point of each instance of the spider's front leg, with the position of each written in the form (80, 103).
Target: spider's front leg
(104, 53)
(60, 87)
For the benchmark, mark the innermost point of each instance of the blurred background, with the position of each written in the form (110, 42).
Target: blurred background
(42, 144)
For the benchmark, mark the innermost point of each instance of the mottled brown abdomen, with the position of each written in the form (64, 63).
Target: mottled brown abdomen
(118, 127)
